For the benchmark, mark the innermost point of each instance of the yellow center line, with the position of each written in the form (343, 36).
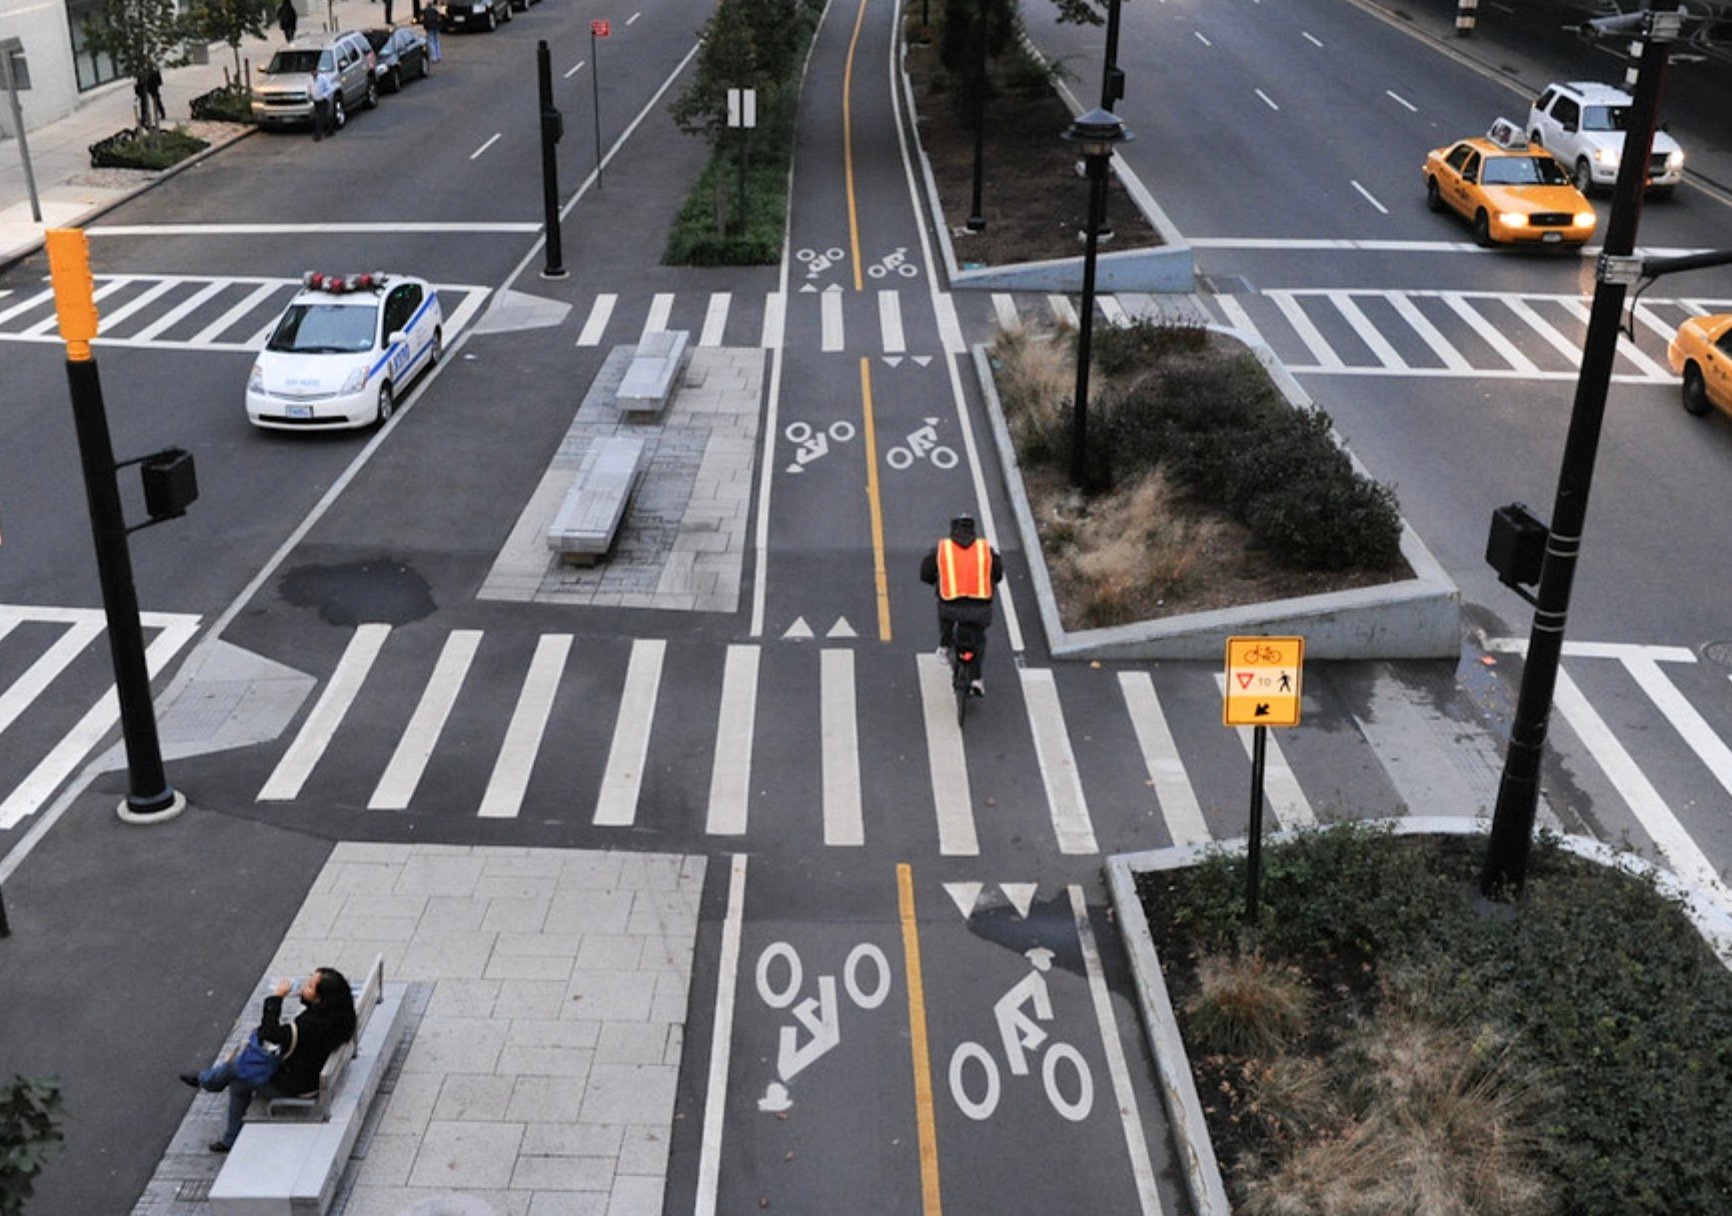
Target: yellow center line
(870, 430)
(931, 1203)
(848, 144)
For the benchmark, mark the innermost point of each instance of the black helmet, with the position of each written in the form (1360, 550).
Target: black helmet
(962, 521)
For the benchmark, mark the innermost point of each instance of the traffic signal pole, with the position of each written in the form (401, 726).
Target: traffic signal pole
(150, 798)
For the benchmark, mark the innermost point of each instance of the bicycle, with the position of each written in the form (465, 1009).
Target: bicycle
(967, 646)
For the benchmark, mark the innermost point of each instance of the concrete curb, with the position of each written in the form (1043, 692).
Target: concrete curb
(1415, 618)
(1169, 267)
(1184, 1110)
(12, 257)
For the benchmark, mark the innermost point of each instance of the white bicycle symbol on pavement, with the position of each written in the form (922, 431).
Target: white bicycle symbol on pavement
(897, 261)
(817, 263)
(922, 444)
(1020, 1034)
(819, 1016)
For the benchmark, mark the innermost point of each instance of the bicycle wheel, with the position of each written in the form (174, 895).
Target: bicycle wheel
(959, 684)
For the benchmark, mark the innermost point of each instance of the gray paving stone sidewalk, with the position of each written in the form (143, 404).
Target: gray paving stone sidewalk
(548, 993)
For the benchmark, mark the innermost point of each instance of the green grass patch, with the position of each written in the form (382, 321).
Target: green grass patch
(142, 149)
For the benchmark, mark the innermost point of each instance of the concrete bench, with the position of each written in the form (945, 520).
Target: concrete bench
(286, 1167)
(655, 365)
(583, 529)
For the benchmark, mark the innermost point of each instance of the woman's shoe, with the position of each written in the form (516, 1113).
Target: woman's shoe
(217, 1146)
(189, 1078)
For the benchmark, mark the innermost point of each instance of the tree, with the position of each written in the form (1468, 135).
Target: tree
(138, 35)
(28, 1132)
(229, 21)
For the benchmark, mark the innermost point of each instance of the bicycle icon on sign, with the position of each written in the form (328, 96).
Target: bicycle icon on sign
(1019, 1035)
(1262, 656)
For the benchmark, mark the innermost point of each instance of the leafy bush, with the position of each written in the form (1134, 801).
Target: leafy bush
(1593, 994)
(141, 149)
(225, 103)
(30, 1109)
(1120, 349)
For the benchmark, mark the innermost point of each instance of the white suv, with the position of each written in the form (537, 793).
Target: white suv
(1582, 124)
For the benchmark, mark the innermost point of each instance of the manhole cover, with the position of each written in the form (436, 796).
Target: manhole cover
(1718, 652)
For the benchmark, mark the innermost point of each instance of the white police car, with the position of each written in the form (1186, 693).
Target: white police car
(346, 347)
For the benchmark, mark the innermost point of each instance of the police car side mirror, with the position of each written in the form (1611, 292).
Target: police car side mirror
(397, 335)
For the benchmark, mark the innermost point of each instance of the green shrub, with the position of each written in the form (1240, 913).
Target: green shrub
(1121, 349)
(225, 103)
(141, 149)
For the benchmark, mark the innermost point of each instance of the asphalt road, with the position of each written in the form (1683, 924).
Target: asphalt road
(942, 903)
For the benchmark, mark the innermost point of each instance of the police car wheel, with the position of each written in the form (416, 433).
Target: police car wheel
(387, 404)
(438, 348)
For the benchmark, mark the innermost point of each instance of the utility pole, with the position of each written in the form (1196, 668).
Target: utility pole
(1512, 826)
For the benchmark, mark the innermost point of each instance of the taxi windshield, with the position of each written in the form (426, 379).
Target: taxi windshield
(324, 329)
(1523, 171)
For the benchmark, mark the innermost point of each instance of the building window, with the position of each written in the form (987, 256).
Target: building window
(93, 69)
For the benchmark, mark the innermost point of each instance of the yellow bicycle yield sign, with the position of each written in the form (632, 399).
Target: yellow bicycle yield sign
(1263, 681)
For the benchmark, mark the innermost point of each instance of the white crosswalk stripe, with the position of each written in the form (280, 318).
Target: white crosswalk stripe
(510, 780)
(731, 773)
(292, 771)
(617, 804)
(222, 312)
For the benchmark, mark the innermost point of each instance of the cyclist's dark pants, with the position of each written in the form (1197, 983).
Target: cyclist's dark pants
(972, 612)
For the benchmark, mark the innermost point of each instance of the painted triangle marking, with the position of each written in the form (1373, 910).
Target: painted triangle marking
(841, 629)
(964, 895)
(834, 287)
(922, 360)
(808, 287)
(893, 360)
(799, 630)
(1020, 895)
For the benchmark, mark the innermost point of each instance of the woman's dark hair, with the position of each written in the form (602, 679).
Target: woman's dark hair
(337, 998)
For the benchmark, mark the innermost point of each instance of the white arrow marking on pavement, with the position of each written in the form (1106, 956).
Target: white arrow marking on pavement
(964, 895)
(799, 630)
(808, 287)
(1020, 895)
(841, 629)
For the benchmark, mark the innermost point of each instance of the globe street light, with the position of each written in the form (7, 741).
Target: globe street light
(1094, 134)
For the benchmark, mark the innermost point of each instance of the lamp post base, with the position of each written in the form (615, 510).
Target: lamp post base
(142, 813)
(976, 223)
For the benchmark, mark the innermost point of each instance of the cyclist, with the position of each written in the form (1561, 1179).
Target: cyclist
(964, 569)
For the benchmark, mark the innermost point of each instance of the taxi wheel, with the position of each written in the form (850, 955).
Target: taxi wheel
(1695, 391)
(1433, 197)
(1482, 230)
(1584, 177)
(387, 404)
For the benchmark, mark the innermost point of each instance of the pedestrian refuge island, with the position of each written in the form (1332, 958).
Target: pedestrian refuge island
(291, 1152)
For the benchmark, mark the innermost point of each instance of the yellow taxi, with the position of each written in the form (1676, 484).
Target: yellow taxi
(1510, 192)
(1701, 352)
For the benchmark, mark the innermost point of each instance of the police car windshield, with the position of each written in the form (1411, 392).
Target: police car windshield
(1523, 171)
(293, 61)
(324, 329)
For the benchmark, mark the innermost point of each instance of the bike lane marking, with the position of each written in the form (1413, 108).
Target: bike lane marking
(919, 1048)
(721, 1040)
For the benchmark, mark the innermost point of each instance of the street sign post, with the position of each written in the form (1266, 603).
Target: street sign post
(1263, 679)
(14, 79)
(597, 29)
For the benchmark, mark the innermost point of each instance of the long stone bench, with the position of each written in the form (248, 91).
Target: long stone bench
(650, 377)
(584, 527)
(291, 1167)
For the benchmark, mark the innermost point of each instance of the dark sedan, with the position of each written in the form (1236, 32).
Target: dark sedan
(399, 54)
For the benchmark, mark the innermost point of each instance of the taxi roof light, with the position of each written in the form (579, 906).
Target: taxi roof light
(1506, 133)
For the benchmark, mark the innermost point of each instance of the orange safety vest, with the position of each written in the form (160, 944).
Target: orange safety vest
(964, 572)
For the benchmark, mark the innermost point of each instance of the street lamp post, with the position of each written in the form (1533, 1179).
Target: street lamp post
(1094, 134)
(1506, 860)
(976, 217)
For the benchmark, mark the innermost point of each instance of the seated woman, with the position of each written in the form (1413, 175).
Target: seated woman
(325, 1023)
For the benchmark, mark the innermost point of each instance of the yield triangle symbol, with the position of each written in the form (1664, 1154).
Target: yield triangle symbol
(799, 630)
(1245, 678)
(964, 895)
(893, 360)
(841, 629)
(1020, 895)
(922, 360)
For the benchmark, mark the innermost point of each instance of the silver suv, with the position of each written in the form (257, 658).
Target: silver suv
(1582, 124)
(283, 93)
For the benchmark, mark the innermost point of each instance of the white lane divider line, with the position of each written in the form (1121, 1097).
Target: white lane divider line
(292, 771)
(721, 1041)
(503, 798)
(1369, 197)
(595, 325)
(1280, 787)
(1118, 1068)
(1166, 767)
(731, 775)
(616, 806)
(490, 142)
(715, 319)
(1267, 100)
(890, 322)
(843, 821)
(951, 799)
(409, 762)
(575, 69)
(1064, 792)
(830, 315)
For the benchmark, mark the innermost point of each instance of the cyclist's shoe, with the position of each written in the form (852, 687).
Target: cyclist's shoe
(977, 688)
(943, 652)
